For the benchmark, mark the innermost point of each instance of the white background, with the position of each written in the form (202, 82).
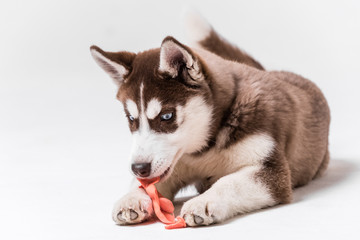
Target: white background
(64, 142)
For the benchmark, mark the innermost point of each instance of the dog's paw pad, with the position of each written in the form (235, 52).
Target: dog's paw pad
(132, 209)
(197, 212)
(130, 216)
(133, 215)
(194, 220)
(198, 220)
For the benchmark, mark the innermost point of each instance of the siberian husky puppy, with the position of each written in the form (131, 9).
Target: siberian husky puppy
(210, 115)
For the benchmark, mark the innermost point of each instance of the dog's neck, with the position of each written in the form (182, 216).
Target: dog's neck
(225, 78)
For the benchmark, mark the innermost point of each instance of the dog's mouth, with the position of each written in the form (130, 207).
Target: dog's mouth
(167, 172)
(164, 175)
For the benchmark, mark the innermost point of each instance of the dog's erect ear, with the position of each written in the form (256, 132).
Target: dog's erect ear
(116, 64)
(174, 57)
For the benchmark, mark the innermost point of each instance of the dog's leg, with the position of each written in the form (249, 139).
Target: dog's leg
(239, 192)
(136, 206)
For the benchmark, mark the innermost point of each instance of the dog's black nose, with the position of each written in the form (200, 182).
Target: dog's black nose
(141, 169)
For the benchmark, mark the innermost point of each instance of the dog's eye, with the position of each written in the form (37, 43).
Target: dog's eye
(131, 118)
(166, 116)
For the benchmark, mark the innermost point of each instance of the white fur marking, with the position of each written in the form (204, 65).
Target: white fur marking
(236, 167)
(144, 125)
(250, 151)
(240, 193)
(194, 120)
(253, 149)
(153, 108)
(163, 150)
(132, 108)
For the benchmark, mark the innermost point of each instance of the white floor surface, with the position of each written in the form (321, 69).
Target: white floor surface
(64, 141)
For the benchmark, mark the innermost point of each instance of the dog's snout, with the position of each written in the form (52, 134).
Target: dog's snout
(141, 169)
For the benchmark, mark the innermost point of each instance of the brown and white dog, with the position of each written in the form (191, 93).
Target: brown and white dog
(210, 115)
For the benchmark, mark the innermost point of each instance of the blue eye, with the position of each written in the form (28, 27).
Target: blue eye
(166, 116)
(131, 118)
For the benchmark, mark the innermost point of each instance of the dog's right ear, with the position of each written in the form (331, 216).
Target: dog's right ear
(175, 57)
(116, 64)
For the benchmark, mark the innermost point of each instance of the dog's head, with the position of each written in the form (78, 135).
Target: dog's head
(167, 98)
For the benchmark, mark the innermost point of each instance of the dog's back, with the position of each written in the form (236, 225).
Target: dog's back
(213, 42)
(306, 146)
(306, 140)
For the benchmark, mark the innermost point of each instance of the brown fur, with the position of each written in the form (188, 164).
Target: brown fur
(290, 108)
(246, 100)
(144, 70)
(216, 44)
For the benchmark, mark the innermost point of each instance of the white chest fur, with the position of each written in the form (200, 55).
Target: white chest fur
(217, 162)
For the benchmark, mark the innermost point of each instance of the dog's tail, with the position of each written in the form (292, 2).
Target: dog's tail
(200, 33)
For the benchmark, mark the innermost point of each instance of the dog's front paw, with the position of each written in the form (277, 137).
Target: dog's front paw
(200, 211)
(134, 207)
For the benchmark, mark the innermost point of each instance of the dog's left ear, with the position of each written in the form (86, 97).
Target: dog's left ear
(175, 57)
(117, 64)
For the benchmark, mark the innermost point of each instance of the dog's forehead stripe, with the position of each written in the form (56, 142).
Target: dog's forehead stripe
(144, 124)
(132, 108)
(153, 108)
